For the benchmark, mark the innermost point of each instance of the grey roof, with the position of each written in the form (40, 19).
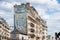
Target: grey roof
(1, 19)
(34, 9)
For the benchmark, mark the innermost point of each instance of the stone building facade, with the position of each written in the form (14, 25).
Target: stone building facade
(33, 21)
(4, 30)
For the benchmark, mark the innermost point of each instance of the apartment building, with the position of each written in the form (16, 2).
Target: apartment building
(4, 30)
(27, 21)
(44, 29)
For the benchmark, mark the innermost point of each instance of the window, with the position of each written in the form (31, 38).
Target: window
(31, 24)
(43, 32)
(43, 37)
(0, 22)
(0, 26)
(32, 30)
(3, 24)
(40, 30)
(5, 27)
(46, 26)
(0, 30)
(32, 35)
(37, 37)
(38, 19)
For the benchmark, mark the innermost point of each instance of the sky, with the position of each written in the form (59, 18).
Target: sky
(48, 10)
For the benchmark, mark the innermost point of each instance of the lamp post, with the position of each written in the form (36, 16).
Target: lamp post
(56, 35)
(22, 38)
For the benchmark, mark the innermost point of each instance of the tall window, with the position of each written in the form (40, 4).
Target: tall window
(31, 24)
(32, 30)
(0, 22)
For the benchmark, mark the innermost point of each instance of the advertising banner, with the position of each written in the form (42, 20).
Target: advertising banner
(20, 23)
(20, 19)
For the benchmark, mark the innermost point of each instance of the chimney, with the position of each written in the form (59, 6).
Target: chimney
(27, 4)
(22, 4)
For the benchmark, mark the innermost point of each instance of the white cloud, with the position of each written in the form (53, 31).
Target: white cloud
(1, 12)
(10, 21)
(44, 1)
(6, 4)
(55, 16)
(54, 20)
(14, 2)
(42, 13)
(54, 23)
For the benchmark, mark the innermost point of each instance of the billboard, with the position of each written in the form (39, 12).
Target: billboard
(20, 23)
(20, 18)
(20, 9)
